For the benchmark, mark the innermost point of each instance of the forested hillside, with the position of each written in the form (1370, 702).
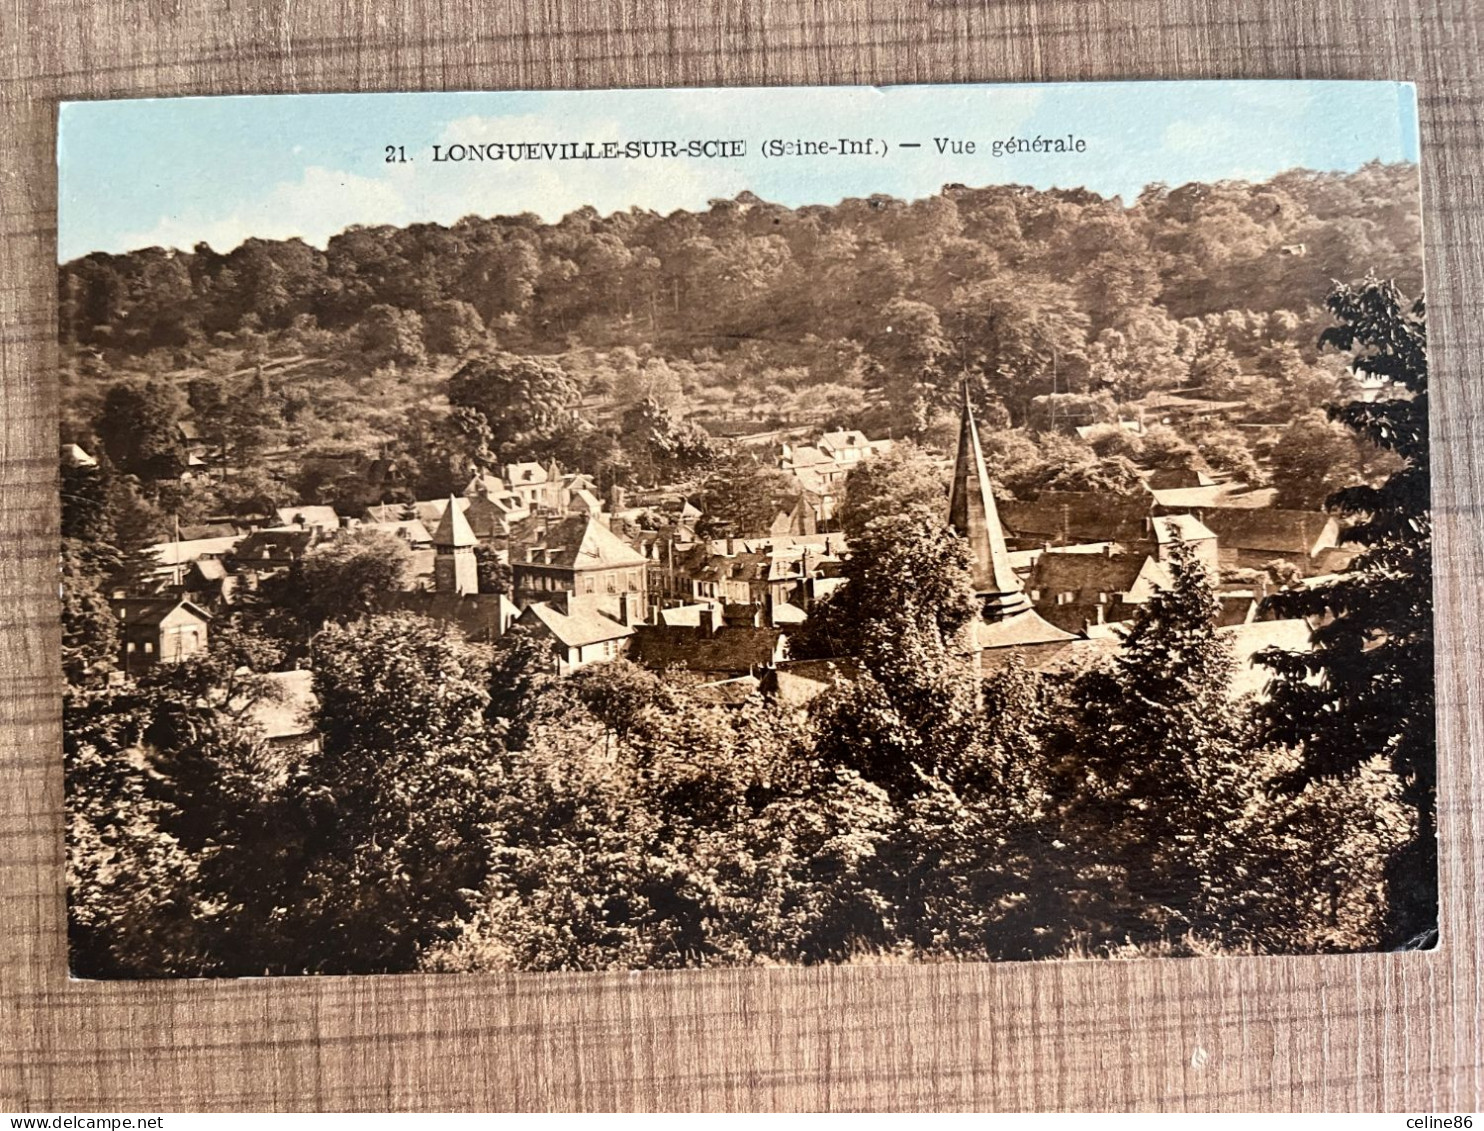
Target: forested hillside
(1057, 306)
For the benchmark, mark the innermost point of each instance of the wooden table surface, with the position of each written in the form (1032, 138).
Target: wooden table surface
(1400, 1032)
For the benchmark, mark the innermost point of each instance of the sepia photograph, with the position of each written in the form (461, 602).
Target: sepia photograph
(661, 529)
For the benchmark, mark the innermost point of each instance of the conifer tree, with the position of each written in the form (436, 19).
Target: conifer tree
(1366, 687)
(1158, 729)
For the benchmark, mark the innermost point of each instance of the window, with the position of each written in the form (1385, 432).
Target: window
(131, 646)
(149, 647)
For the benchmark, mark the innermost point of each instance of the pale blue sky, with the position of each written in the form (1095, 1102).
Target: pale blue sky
(171, 172)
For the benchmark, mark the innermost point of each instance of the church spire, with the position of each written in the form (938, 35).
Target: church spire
(973, 515)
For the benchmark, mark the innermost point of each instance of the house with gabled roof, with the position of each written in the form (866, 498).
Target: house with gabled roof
(539, 488)
(1250, 538)
(585, 503)
(798, 457)
(821, 470)
(1074, 590)
(171, 555)
(159, 630)
(207, 583)
(849, 446)
(799, 515)
(745, 571)
(389, 512)
(579, 631)
(581, 557)
(485, 483)
(1060, 578)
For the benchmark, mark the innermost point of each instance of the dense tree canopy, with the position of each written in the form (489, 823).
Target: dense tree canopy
(871, 312)
(524, 402)
(339, 580)
(1366, 690)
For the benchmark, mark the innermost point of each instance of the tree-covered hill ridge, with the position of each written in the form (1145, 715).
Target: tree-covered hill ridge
(745, 269)
(1057, 307)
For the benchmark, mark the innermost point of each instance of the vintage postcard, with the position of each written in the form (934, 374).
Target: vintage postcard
(688, 528)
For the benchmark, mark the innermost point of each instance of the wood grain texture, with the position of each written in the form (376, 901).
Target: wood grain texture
(1360, 1032)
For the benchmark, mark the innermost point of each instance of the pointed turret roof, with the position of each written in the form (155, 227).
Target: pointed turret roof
(453, 530)
(972, 514)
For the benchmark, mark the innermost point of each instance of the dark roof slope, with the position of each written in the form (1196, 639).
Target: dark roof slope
(585, 543)
(736, 649)
(133, 611)
(578, 626)
(1079, 516)
(1077, 573)
(274, 544)
(1279, 531)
